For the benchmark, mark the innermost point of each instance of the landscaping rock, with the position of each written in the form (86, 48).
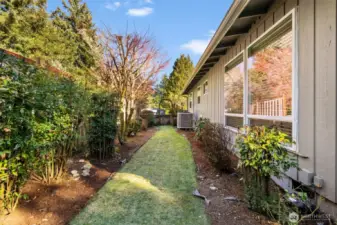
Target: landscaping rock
(87, 166)
(213, 188)
(85, 173)
(75, 173)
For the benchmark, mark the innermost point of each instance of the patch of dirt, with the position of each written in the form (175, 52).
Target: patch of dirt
(221, 211)
(56, 204)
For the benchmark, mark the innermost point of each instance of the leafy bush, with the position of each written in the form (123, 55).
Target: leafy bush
(215, 139)
(149, 116)
(263, 154)
(199, 126)
(134, 127)
(103, 128)
(40, 117)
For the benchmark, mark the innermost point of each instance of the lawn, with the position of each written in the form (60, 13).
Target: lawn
(154, 188)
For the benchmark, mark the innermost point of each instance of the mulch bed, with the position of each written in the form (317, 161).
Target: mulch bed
(221, 211)
(57, 204)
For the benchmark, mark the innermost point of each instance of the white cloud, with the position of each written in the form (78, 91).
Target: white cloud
(113, 6)
(140, 11)
(196, 46)
(211, 33)
(148, 1)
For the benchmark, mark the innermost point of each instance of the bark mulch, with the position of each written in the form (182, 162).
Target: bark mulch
(221, 211)
(57, 204)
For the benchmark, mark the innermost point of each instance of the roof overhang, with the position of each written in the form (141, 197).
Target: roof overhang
(238, 21)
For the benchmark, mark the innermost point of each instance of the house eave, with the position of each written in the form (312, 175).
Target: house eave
(238, 20)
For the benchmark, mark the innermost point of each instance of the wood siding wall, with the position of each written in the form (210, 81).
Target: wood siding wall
(316, 29)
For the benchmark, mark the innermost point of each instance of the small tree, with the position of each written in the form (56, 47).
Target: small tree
(130, 65)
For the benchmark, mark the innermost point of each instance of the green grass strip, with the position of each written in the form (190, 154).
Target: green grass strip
(154, 188)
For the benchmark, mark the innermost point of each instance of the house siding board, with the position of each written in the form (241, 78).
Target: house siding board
(260, 29)
(269, 21)
(306, 79)
(325, 95)
(279, 13)
(316, 25)
(289, 5)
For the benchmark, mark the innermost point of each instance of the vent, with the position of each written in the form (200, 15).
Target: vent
(184, 120)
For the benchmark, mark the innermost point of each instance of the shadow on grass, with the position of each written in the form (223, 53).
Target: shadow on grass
(155, 187)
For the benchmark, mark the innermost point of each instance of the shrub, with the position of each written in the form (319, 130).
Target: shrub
(216, 141)
(149, 116)
(40, 116)
(134, 127)
(199, 126)
(103, 128)
(263, 154)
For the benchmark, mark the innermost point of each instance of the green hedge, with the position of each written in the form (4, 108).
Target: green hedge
(40, 118)
(103, 128)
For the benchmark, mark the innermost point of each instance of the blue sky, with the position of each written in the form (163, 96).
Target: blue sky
(178, 26)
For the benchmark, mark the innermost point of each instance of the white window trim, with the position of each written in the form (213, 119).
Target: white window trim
(199, 88)
(203, 88)
(240, 54)
(245, 54)
(190, 100)
(294, 117)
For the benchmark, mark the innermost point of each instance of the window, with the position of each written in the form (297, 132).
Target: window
(259, 82)
(233, 91)
(270, 79)
(199, 95)
(191, 100)
(206, 87)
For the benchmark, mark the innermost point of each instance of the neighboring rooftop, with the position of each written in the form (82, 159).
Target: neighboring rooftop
(37, 63)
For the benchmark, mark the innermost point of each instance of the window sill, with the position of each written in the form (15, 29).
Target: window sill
(235, 130)
(294, 152)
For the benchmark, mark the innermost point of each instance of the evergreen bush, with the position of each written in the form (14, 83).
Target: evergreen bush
(40, 118)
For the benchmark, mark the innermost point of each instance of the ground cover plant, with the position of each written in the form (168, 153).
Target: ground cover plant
(155, 187)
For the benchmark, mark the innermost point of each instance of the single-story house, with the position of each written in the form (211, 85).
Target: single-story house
(273, 62)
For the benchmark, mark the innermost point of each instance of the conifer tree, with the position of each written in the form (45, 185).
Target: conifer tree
(76, 21)
(25, 28)
(171, 88)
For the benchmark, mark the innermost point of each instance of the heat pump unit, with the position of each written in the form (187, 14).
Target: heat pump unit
(185, 120)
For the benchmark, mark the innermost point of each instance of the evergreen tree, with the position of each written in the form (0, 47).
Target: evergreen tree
(76, 21)
(182, 69)
(160, 97)
(25, 28)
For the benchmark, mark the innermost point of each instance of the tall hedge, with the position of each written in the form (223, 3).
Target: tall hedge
(41, 114)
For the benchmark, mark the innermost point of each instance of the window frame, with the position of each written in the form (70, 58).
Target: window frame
(190, 101)
(239, 115)
(290, 17)
(203, 87)
(199, 95)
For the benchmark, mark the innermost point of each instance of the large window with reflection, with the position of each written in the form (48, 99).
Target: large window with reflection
(258, 87)
(270, 73)
(233, 91)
